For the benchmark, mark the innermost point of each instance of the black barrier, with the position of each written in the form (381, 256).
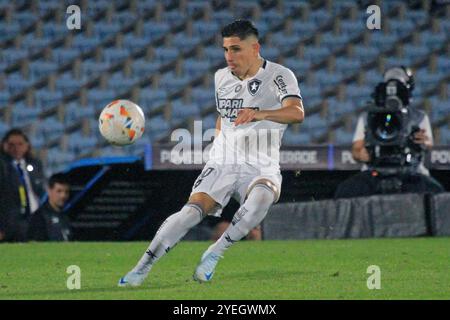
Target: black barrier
(397, 215)
(440, 214)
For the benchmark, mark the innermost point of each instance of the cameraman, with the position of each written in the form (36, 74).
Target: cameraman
(373, 180)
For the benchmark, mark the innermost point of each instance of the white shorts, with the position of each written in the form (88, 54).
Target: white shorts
(221, 182)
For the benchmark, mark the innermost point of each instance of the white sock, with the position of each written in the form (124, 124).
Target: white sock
(171, 231)
(249, 215)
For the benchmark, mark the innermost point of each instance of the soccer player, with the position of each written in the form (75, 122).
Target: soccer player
(256, 100)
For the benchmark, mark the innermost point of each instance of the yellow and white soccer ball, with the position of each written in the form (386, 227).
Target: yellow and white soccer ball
(121, 122)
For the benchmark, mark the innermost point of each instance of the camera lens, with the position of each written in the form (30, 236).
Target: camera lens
(386, 126)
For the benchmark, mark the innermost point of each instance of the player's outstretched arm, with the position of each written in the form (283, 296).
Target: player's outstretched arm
(291, 111)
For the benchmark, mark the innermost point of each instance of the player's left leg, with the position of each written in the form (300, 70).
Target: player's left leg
(262, 194)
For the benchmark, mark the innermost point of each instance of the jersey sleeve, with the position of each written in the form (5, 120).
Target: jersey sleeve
(286, 84)
(425, 125)
(359, 132)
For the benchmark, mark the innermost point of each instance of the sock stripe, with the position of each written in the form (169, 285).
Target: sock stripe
(260, 185)
(197, 207)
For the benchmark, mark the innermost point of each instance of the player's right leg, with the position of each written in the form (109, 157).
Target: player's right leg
(171, 231)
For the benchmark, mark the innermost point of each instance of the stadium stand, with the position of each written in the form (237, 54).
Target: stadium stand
(163, 54)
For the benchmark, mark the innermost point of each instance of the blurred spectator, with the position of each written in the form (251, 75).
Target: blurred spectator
(22, 181)
(49, 223)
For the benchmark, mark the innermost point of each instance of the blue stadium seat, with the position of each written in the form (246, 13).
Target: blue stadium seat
(143, 68)
(342, 6)
(9, 30)
(401, 27)
(203, 97)
(347, 65)
(51, 128)
(205, 29)
(171, 82)
(441, 108)
(270, 53)
(12, 55)
(182, 110)
(337, 109)
(151, 99)
(46, 6)
(293, 138)
(34, 44)
(415, 52)
(320, 17)
(64, 55)
(359, 94)
(303, 29)
(195, 68)
(293, 5)
(54, 30)
(434, 40)
(365, 53)
(58, 160)
(101, 97)
(383, 41)
(74, 113)
(194, 7)
(3, 128)
(428, 80)
(334, 41)
(79, 143)
(209, 122)
(91, 68)
(443, 63)
(315, 122)
(373, 76)
(214, 54)
(46, 98)
(298, 66)
(85, 44)
(186, 43)
(445, 135)
(223, 17)
(310, 91)
(156, 127)
(166, 55)
(124, 18)
(272, 17)
(4, 98)
(25, 18)
(353, 27)
(283, 41)
(316, 54)
(41, 68)
(174, 18)
(118, 82)
(418, 17)
(23, 115)
(343, 136)
(328, 80)
(115, 55)
(134, 43)
(155, 30)
(17, 84)
(104, 30)
(68, 84)
(391, 62)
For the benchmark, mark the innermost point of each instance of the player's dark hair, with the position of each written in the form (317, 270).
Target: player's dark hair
(58, 178)
(241, 29)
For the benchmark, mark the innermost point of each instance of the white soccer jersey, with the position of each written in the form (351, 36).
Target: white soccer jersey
(256, 143)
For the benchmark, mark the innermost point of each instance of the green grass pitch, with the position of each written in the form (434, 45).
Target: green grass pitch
(417, 268)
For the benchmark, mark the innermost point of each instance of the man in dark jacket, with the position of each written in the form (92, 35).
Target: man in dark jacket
(49, 223)
(22, 184)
